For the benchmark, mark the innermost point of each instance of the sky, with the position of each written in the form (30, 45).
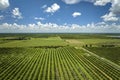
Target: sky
(59, 16)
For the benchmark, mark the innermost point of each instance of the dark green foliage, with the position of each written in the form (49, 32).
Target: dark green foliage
(110, 45)
(18, 38)
(48, 47)
(62, 35)
(111, 53)
(90, 45)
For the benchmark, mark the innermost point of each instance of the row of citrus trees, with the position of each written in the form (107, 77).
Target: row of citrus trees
(100, 68)
(65, 63)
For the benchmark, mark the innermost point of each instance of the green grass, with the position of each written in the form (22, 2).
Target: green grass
(100, 41)
(93, 42)
(2, 41)
(51, 41)
(112, 54)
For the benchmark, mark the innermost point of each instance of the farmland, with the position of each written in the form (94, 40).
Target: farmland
(109, 53)
(59, 57)
(51, 41)
(62, 63)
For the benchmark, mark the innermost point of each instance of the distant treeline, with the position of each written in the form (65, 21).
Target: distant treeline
(47, 46)
(34, 35)
(108, 45)
(62, 35)
(18, 38)
(103, 45)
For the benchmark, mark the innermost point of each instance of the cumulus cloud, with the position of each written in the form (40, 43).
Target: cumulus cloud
(115, 6)
(4, 4)
(77, 1)
(39, 18)
(39, 27)
(44, 6)
(110, 17)
(16, 13)
(53, 8)
(71, 1)
(101, 2)
(76, 14)
(114, 11)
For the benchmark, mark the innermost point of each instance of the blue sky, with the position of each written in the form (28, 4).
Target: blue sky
(60, 16)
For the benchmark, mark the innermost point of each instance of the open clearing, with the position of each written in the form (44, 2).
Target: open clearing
(96, 42)
(51, 41)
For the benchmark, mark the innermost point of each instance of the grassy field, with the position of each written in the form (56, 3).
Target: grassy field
(34, 42)
(100, 41)
(59, 57)
(94, 42)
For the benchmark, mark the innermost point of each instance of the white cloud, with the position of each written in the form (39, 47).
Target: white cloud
(1, 17)
(115, 7)
(110, 17)
(39, 27)
(16, 13)
(39, 18)
(114, 11)
(53, 8)
(44, 6)
(4, 4)
(75, 14)
(101, 2)
(71, 1)
(77, 1)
